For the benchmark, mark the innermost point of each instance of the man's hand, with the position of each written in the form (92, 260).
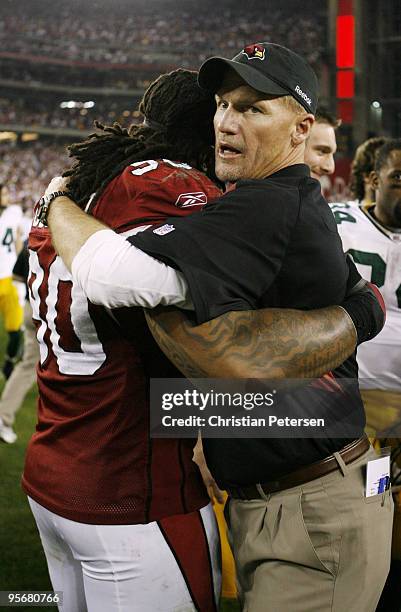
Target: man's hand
(58, 183)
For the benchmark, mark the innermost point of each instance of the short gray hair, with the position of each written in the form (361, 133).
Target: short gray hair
(292, 104)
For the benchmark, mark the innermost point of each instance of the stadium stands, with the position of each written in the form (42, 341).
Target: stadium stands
(62, 65)
(27, 171)
(116, 37)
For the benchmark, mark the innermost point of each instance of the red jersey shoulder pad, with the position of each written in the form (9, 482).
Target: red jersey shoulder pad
(148, 191)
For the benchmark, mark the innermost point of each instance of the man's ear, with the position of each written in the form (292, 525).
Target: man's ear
(373, 180)
(302, 129)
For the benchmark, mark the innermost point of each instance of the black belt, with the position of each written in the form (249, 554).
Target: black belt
(349, 453)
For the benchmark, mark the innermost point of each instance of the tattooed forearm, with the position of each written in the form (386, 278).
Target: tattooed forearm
(270, 343)
(165, 325)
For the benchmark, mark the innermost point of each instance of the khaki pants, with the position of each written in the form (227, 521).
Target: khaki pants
(23, 375)
(319, 547)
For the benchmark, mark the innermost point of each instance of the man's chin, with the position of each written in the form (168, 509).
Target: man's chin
(226, 174)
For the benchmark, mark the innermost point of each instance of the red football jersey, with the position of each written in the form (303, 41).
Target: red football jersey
(91, 458)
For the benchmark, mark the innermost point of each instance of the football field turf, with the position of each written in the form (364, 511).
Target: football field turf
(22, 562)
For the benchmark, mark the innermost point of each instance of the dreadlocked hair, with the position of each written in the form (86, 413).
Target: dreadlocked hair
(363, 164)
(178, 126)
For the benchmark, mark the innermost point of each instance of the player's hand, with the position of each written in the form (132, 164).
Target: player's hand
(215, 494)
(58, 183)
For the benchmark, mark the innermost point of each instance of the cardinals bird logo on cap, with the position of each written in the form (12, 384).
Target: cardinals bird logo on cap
(254, 52)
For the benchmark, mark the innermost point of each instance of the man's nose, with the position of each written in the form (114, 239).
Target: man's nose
(227, 122)
(328, 166)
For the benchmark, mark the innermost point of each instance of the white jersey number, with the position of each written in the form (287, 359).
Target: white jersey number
(8, 239)
(378, 266)
(345, 214)
(151, 164)
(91, 356)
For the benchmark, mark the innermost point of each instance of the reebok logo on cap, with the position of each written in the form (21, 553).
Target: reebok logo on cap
(303, 95)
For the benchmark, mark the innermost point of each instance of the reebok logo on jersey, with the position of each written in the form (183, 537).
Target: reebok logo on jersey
(197, 198)
(164, 229)
(254, 52)
(303, 95)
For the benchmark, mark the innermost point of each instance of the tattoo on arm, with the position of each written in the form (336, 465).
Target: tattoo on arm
(269, 343)
(164, 323)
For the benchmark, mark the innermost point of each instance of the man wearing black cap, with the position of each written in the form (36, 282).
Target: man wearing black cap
(305, 536)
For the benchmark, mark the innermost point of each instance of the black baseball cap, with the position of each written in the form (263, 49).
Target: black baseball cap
(269, 68)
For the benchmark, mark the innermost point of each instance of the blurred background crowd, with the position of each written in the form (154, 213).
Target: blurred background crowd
(63, 65)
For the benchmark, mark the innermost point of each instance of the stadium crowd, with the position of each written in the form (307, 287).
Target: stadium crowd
(27, 170)
(120, 38)
(50, 115)
(71, 77)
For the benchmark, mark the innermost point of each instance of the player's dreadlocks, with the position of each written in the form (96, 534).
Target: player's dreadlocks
(178, 126)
